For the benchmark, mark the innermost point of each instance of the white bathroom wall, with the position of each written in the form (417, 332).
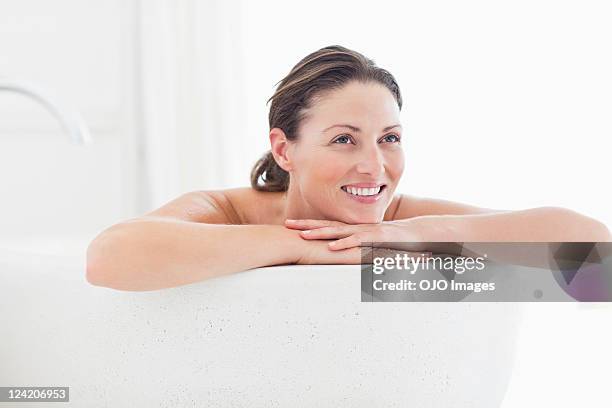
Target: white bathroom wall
(191, 72)
(81, 51)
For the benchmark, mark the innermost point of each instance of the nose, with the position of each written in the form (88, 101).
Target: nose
(371, 161)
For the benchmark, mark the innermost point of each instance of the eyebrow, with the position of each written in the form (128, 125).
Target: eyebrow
(356, 129)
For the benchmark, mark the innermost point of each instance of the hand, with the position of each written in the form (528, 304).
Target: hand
(346, 236)
(319, 253)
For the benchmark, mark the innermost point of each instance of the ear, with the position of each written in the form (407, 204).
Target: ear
(279, 146)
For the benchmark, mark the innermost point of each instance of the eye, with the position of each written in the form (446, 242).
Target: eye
(343, 137)
(397, 138)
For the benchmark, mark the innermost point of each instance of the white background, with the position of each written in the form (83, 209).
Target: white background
(506, 105)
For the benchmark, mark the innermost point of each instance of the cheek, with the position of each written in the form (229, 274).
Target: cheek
(327, 173)
(396, 164)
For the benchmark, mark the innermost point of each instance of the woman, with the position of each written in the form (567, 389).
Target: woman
(327, 184)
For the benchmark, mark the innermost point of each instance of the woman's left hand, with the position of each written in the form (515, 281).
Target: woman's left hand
(352, 235)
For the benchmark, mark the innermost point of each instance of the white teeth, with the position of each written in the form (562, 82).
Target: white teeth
(362, 191)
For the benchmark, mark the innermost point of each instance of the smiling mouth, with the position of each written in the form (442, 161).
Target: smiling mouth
(364, 192)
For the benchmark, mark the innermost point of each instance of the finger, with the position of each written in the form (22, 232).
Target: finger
(326, 233)
(310, 224)
(344, 243)
(351, 256)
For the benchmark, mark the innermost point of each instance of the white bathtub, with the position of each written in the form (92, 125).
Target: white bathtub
(273, 337)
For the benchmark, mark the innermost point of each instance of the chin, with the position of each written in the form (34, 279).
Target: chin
(363, 219)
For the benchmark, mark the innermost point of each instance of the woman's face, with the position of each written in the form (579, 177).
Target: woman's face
(348, 160)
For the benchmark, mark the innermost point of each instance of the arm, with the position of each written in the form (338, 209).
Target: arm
(152, 253)
(436, 225)
(192, 238)
(543, 224)
(448, 221)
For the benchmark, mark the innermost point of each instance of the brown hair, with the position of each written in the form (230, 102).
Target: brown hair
(322, 71)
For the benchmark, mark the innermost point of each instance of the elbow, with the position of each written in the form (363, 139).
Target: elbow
(102, 274)
(94, 275)
(580, 227)
(604, 234)
(117, 257)
(97, 272)
(102, 268)
(91, 274)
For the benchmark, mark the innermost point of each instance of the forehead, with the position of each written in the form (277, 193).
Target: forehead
(358, 102)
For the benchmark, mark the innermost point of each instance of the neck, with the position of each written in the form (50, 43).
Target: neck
(296, 208)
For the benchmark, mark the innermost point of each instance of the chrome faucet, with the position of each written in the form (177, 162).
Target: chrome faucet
(71, 121)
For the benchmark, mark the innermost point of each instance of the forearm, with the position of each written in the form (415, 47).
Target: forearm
(155, 253)
(543, 224)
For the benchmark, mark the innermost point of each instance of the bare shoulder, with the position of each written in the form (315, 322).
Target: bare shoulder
(243, 205)
(205, 206)
(256, 207)
(409, 206)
